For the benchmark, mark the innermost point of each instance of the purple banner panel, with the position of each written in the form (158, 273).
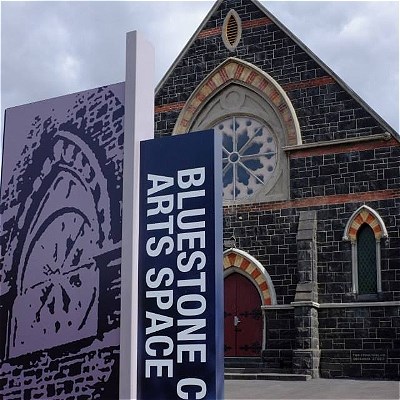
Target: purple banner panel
(180, 337)
(60, 213)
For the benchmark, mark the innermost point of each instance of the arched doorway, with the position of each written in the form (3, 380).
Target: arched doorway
(243, 320)
(247, 287)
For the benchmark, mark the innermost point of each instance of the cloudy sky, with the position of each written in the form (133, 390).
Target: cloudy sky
(53, 48)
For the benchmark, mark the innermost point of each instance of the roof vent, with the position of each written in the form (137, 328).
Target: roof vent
(232, 30)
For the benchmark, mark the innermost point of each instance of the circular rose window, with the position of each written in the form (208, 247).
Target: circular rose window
(249, 156)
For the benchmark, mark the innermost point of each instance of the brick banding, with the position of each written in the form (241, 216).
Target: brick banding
(238, 71)
(324, 80)
(317, 201)
(169, 107)
(344, 157)
(250, 79)
(254, 23)
(224, 75)
(343, 148)
(209, 32)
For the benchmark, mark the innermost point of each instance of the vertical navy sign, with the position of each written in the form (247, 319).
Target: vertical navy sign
(180, 337)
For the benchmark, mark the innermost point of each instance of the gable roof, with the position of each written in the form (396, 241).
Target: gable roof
(296, 40)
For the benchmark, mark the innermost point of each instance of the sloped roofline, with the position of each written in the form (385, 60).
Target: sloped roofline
(339, 80)
(188, 44)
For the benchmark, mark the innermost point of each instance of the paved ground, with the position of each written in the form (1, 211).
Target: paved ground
(332, 389)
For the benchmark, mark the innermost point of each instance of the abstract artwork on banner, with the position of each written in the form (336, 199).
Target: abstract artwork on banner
(61, 222)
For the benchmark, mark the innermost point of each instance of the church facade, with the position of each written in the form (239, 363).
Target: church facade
(311, 197)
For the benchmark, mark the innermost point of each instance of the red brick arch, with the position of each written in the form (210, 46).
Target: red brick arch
(365, 215)
(238, 71)
(239, 260)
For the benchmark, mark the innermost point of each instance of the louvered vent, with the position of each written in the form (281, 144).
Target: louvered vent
(232, 30)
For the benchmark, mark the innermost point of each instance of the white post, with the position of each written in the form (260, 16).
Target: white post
(138, 126)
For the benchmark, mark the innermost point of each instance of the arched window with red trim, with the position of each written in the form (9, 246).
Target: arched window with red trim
(364, 230)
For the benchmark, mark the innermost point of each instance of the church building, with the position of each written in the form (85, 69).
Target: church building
(311, 190)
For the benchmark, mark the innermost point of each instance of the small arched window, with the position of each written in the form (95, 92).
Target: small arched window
(364, 230)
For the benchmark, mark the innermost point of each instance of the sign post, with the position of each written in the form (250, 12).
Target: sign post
(138, 125)
(180, 324)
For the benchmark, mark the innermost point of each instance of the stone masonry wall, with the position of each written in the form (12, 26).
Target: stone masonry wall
(270, 236)
(280, 340)
(350, 170)
(348, 334)
(335, 270)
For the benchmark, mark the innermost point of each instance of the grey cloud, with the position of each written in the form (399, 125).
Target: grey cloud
(54, 48)
(359, 41)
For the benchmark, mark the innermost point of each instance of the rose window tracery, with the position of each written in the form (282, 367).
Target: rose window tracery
(249, 154)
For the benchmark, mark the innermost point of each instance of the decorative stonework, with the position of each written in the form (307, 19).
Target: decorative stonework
(238, 71)
(249, 156)
(366, 215)
(231, 30)
(234, 258)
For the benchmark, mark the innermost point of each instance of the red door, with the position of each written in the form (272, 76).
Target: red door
(242, 317)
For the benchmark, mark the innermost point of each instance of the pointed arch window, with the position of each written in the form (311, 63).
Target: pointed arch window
(256, 119)
(365, 230)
